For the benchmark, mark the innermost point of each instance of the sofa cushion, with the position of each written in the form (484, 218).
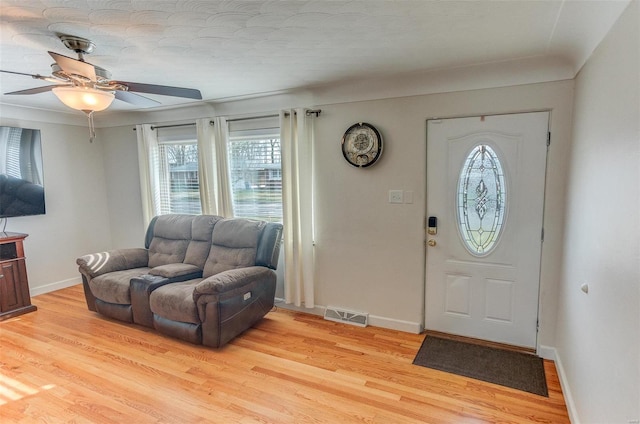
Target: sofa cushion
(164, 251)
(175, 302)
(237, 232)
(114, 286)
(173, 226)
(200, 244)
(171, 236)
(234, 245)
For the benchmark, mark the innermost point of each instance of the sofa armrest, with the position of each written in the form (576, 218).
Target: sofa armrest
(114, 260)
(230, 302)
(175, 271)
(140, 288)
(230, 280)
(233, 283)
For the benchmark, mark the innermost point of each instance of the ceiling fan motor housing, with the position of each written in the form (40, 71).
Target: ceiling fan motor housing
(77, 44)
(102, 75)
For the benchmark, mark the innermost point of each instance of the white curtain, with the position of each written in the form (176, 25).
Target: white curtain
(213, 169)
(149, 174)
(297, 197)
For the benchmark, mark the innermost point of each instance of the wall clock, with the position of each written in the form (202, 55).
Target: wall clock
(362, 145)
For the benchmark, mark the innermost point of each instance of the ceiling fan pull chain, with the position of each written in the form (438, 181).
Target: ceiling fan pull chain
(92, 128)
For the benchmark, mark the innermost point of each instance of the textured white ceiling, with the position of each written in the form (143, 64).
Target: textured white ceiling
(239, 48)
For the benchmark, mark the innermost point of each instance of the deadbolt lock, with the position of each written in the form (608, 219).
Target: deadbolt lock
(431, 242)
(432, 226)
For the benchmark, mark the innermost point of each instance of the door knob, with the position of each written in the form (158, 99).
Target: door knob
(431, 242)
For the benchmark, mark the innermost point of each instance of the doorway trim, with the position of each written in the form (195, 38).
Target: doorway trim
(541, 350)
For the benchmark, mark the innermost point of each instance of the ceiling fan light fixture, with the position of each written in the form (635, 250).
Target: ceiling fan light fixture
(84, 98)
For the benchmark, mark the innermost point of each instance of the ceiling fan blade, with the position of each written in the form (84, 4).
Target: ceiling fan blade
(165, 90)
(74, 66)
(34, 76)
(135, 99)
(38, 90)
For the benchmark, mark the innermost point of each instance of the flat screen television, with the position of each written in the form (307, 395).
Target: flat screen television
(21, 175)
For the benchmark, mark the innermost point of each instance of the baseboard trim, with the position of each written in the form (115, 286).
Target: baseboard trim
(58, 285)
(396, 324)
(316, 310)
(376, 321)
(566, 390)
(546, 352)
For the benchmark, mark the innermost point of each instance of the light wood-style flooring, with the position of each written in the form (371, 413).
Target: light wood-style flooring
(64, 364)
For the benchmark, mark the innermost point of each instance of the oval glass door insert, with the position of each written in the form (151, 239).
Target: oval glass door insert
(481, 200)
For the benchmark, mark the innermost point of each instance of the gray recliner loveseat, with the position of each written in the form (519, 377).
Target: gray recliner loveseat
(199, 278)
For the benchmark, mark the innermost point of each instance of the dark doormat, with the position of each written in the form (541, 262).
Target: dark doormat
(507, 368)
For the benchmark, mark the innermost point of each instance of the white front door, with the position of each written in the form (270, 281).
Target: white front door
(485, 189)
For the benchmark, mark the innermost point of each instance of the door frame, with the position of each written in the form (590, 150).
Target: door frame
(544, 208)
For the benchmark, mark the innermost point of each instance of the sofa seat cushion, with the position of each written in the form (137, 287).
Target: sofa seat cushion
(175, 302)
(114, 286)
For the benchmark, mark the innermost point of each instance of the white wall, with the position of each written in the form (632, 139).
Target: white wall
(598, 335)
(123, 186)
(370, 255)
(76, 220)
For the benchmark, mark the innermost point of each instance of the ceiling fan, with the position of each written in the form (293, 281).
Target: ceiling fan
(89, 88)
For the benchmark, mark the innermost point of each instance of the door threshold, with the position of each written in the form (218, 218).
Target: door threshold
(480, 342)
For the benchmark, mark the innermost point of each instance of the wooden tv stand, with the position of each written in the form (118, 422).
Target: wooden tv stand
(14, 285)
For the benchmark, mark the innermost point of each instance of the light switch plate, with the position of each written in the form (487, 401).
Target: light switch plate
(395, 196)
(408, 196)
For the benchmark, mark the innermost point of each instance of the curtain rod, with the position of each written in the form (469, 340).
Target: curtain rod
(174, 125)
(316, 112)
(275, 115)
(307, 112)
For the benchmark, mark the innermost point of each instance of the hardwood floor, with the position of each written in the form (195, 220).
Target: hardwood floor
(64, 363)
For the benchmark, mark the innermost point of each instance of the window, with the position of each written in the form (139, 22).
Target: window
(178, 170)
(253, 161)
(256, 173)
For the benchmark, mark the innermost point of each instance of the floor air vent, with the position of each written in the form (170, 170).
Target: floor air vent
(360, 319)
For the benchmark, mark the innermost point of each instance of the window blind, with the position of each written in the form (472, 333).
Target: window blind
(177, 164)
(255, 162)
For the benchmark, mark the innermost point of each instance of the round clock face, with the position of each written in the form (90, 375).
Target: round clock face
(362, 145)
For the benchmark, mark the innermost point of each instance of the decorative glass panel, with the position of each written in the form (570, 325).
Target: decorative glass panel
(481, 200)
